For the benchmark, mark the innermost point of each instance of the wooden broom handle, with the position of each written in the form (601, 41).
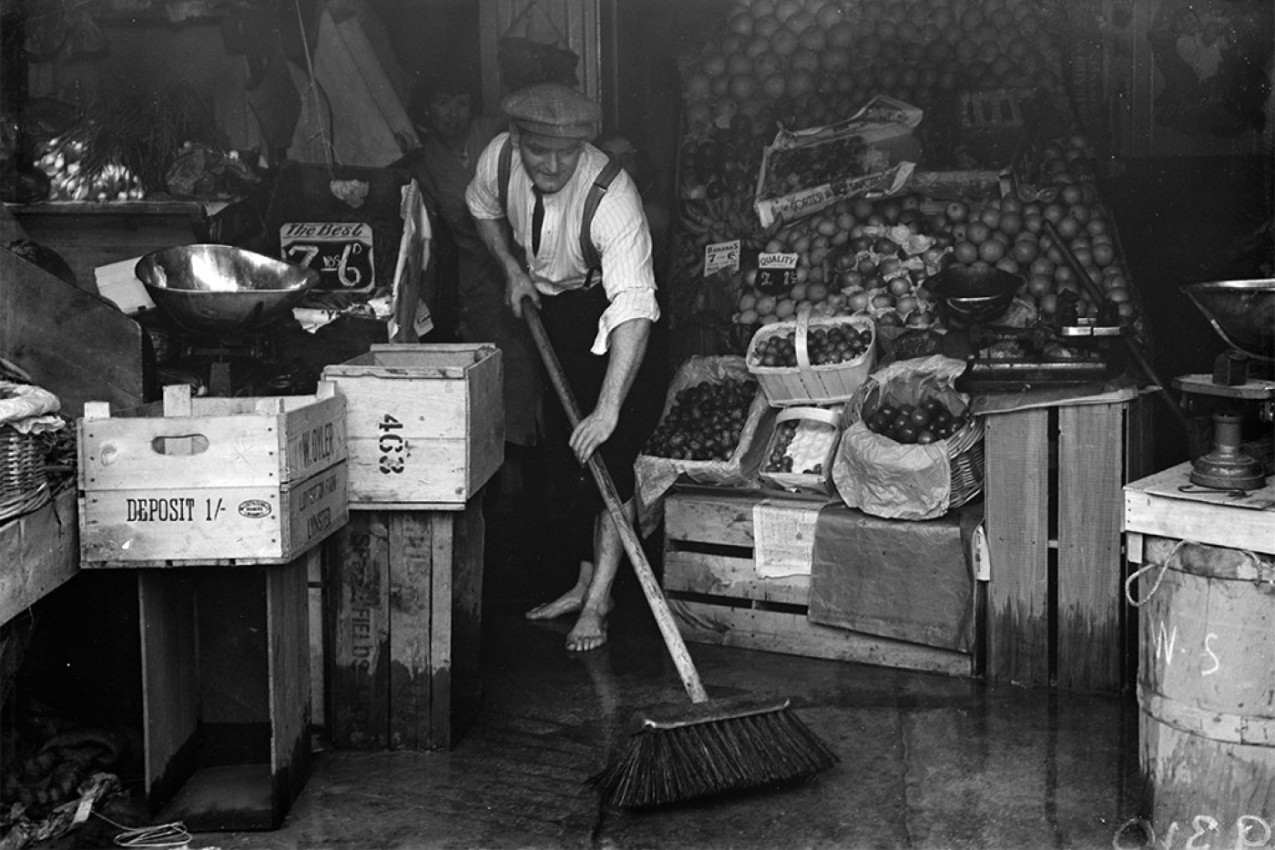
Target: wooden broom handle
(632, 544)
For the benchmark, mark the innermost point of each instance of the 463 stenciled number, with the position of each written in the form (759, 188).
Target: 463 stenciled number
(392, 446)
(1203, 832)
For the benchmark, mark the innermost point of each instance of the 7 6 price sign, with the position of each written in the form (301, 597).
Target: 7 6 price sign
(393, 448)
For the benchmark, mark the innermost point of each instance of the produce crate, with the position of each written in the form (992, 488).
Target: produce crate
(812, 448)
(426, 424)
(225, 692)
(404, 617)
(997, 123)
(718, 596)
(1053, 504)
(211, 480)
(806, 383)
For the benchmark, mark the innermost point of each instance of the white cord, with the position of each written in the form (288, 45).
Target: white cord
(168, 835)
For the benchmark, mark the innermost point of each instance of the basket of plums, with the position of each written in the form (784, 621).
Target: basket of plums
(812, 361)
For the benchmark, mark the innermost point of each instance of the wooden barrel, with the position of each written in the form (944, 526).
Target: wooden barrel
(1206, 692)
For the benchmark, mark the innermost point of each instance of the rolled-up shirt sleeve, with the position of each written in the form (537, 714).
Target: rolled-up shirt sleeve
(620, 231)
(482, 196)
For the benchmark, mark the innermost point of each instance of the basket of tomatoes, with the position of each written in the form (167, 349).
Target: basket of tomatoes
(912, 449)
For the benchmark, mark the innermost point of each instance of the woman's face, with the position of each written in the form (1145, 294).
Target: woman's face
(448, 114)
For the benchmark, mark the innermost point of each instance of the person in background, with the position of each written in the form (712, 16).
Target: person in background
(599, 330)
(452, 137)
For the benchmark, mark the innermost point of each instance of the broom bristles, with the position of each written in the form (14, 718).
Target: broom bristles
(663, 765)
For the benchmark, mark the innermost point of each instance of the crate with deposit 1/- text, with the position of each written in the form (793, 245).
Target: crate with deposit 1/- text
(211, 481)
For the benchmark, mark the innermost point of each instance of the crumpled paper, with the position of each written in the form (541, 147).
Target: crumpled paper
(895, 480)
(29, 409)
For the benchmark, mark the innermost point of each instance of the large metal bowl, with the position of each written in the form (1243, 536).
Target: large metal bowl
(219, 289)
(973, 295)
(1241, 311)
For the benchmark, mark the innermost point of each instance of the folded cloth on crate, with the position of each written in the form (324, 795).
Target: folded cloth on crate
(911, 581)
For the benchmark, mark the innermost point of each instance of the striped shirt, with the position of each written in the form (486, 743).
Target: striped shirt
(619, 231)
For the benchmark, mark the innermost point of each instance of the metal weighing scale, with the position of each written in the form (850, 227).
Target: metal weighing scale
(1241, 390)
(1064, 351)
(225, 305)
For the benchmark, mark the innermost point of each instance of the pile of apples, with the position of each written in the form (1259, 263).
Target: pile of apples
(704, 422)
(928, 421)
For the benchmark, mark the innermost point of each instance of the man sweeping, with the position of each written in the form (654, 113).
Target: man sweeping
(568, 230)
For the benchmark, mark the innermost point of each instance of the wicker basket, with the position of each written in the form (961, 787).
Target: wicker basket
(24, 485)
(826, 420)
(808, 384)
(964, 448)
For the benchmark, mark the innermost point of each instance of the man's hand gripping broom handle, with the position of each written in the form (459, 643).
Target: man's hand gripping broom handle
(632, 543)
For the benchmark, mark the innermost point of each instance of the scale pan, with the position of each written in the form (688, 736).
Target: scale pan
(1241, 311)
(222, 289)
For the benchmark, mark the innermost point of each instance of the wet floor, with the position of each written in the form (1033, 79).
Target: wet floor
(926, 761)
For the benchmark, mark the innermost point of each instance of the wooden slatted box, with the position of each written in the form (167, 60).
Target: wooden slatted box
(1054, 506)
(208, 481)
(718, 596)
(426, 424)
(404, 614)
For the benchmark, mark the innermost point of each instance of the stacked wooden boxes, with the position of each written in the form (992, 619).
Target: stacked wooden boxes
(215, 507)
(404, 579)
(1053, 521)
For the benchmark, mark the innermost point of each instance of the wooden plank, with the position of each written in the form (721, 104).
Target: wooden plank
(287, 623)
(170, 685)
(1090, 475)
(794, 634)
(318, 652)
(467, 622)
(217, 449)
(722, 575)
(1017, 504)
(411, 564)
(202, 526)
(1139, 438)
(77, 346)
(360, 623)
(440, 653)
(1218, 524)
(725, 519)
(39, 551)
(486, 422)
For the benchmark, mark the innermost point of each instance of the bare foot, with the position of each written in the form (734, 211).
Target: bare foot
(567, 603)
(590, 632)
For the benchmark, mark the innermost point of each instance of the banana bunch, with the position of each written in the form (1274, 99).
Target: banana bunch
(63, 161)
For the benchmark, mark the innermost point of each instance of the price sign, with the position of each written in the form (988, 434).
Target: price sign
(340, 251)
(776, 272)
(721, 255)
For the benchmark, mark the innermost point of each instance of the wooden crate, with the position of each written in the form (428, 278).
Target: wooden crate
(1053, 519)
(404, 615)
(39, 551)
(226, 693)
(718, 597)
(211, 480)
(426, 424)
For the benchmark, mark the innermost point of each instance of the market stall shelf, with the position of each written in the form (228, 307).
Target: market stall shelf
(404, 612)
(719, 596)
(1053, 507)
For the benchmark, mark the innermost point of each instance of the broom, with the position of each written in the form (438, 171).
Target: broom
(711, 747)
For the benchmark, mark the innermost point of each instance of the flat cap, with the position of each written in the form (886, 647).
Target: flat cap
(552, 109)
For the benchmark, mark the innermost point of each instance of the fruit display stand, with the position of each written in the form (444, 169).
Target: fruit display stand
(403, 580)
